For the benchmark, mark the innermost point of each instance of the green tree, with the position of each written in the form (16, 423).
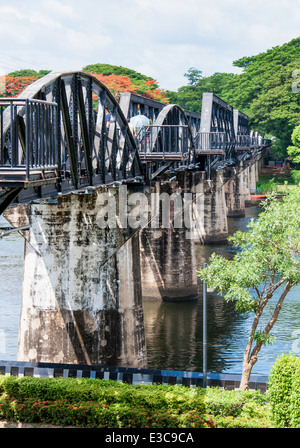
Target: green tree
(193, 75)
(264, 91)
(29, 72)
(294, 150)
(262, 272)
(190, 97)
(108, 69)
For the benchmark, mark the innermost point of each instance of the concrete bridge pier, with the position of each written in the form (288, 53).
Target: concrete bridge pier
(237, 189)
(168, 266)
(197, 216)
(253, 175)
(215, 211)
(81, 299)
(168, 261)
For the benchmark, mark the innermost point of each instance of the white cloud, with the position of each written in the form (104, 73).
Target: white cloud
(160, 38)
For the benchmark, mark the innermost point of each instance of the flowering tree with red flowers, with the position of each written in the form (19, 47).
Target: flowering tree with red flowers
(150, 89)
(12, 86)
(118, 83)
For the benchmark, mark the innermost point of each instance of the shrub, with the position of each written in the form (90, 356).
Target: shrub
(104, 391)
(269, 186)
(92, 402)
(296, 176)
(102, 403)
(232, 403)
(284, 391)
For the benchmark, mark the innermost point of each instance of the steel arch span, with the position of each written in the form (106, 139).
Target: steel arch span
(92, 149)
(177, 139)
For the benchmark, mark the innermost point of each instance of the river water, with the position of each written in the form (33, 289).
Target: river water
(173, 330)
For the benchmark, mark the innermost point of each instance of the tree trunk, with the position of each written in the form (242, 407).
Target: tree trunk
(250, 358)
(249, 361)
(244, 384)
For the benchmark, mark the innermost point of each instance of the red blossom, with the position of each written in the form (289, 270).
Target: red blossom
(11, 86)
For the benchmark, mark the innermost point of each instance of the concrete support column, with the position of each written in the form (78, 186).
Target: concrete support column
(167, 252)
(237, 190)
(81, 300)
(215, 211)
(246, 177)
(253, 175)
(168, 265)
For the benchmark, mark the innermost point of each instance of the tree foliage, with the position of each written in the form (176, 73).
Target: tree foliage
(194, 76)
(263, 90)
(190, 97)
(14, 83)
(29, 72)
(294, 150)
(11, 86)
(262, 272)
(107, 69)
(116, 78)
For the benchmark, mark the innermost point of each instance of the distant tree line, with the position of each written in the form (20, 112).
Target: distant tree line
(263, 90)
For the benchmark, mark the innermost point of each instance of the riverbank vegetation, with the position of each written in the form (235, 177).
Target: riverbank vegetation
(89, 403)
(109, 404)
(279, 183)
(263, 271)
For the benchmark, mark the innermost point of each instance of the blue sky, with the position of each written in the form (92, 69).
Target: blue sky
(159, 38)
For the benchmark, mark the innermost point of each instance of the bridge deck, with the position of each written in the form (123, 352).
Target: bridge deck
(209, 152)
(163, 156)
(18, 178)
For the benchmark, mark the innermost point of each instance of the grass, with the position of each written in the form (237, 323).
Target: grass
(278, 183)
(279, 179)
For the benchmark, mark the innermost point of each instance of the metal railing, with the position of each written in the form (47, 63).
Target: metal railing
(31, 140)
(207, 141)
(164, 140)
(210, 141)
(259, 141)
(243, 141)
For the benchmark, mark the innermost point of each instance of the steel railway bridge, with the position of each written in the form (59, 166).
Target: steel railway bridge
(84, 284)
(54, 138)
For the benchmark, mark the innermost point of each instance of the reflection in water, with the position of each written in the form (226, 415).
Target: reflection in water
(174, 334)
(11, 271)
(173, 330)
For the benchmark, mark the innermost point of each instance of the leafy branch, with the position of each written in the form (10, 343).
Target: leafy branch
(267, 260)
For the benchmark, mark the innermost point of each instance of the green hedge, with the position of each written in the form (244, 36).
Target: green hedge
(101, 403)
(89, 402)
(284, 392)
(104, 391)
